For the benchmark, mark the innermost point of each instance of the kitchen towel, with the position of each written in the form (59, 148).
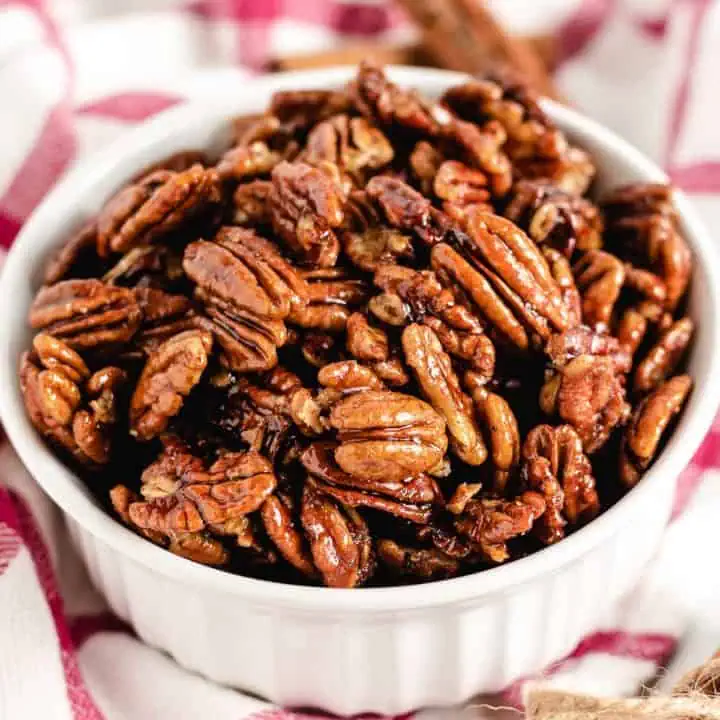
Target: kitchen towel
(75, 74)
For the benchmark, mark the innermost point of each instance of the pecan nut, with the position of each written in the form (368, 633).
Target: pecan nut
(440, 386)
(555, 218)
(86, 314)
(159, 203)
(650, 420)
(387, 435)
(600, 277)
(169, 375)
(305, 208)
(555, 465)
(663, 358)
(339, 540)
(642, 226)
(68, 405)
(586, 390)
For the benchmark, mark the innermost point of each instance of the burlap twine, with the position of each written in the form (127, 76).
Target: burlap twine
(695, 697)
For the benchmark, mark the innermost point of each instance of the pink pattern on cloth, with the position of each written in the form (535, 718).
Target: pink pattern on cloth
(582, 27)
(17, 516)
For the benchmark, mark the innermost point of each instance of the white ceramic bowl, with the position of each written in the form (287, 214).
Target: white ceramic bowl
(386, 649)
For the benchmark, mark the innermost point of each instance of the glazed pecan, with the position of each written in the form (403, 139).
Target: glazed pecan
(69, 258)
(387, 435)
(500, 426)
(562, 273)
(411, 296)
(365, 342)
(250, 203)
(517, 297)
(248, 290)
(297, 111)
(482, 147)
(663, 357)
(368, 243)
(440, 386)
(379, 99)
(86, 314)
(556, 218)
(349, 376)
(283, 528)
(600, 277)
(651, 418)
(164, 316)
(243, 162)
(461, 188)
(332, 296)
(339, 540)
(642, 226)
(555, 466)
(181, 497)
(305, 207)
(587, 393)
(424, 161)
(352, 144)
(68, 405)
(425, 563)
(149, 209)
(536, 147)
(490, 524)
(169, 375)
(409, 498)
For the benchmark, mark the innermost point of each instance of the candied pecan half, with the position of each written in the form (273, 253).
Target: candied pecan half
(381, 100)
(200, 548)
(409, 498)
(425, 563)
(243, 162)
(500, 426)
(482, 147)
(250, 203)
(425, 160)
(332, 296)
(650, 420)
(305, 207)
(70, 407)
(164, 316)
(349, 376)
(440, 386)
(299, 110)
(600, 277)
(246, 271)
(555, 465)
(562, 273)
(365, 342)
(412, 296)
(169, 375)
(86, 314)
(556, 218)
(352, 144)
(69, 257)
(642, 227)
(283, 528)
(664, 356)
(587, 392)
(490, 523)
(537, 148)
(366, 241)
(387, 435)
(339, 540)
(248, 289)
(150, 208)
(406, 209)
(460, 188)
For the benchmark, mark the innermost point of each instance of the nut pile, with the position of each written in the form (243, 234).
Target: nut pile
(379, 340)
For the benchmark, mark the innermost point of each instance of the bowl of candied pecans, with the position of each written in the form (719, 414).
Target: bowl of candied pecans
(359, 389)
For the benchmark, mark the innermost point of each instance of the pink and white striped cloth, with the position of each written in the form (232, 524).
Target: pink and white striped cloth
(75, 74)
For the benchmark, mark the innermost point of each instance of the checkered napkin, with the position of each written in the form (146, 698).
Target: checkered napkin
(75, 74)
